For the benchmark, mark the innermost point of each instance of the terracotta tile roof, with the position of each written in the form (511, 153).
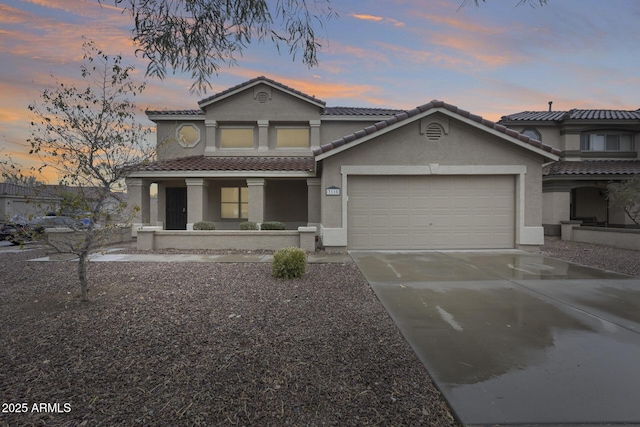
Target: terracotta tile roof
(205, 163)
(11, 189)
(592, 167)
(251, 82)
(328, 111)
(175, 112)
(360, 111)
(546, 116)
(421, 109)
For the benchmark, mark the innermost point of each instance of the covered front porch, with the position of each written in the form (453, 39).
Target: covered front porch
(577, 191)
(226, 191)
(226, 202)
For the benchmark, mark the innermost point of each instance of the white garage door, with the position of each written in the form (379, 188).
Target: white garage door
(431, 212)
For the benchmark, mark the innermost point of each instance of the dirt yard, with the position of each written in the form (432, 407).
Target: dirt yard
(186, 344)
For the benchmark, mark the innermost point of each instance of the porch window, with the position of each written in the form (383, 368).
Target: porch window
(234, 203)
(291, 137)
(607, 142)
(236, 137)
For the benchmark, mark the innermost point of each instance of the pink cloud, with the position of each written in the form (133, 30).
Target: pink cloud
(374, 18)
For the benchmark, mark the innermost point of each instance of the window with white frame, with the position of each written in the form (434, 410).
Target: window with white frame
(236, 137)
(234, 203)
(607, 142)
(188, 135)
(292, 137)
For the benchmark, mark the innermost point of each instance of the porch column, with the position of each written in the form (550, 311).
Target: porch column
(556, 208)
(138, 202)
(263, 135)
(256, 199)
(314, 141)
(210, 135)
(313, 201)
(196, 200)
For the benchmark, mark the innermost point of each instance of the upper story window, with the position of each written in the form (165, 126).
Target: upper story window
(607, 142)
(290, 137)
(236, 137)
(188, 135)
(532, 133)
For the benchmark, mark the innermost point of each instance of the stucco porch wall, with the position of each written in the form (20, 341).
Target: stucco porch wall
(617, 237)
(304, 238)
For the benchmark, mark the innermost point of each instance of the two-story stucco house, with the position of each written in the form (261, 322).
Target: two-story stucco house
(597, 147)
(432, 177)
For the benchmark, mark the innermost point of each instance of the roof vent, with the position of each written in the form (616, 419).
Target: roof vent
(262, 97)
(434, 132)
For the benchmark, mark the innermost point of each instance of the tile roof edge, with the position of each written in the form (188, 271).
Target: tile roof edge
(174, 112)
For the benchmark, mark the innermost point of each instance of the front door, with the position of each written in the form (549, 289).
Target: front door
(176, 208)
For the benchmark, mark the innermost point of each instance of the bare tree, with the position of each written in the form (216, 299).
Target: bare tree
(199, 36)
(90, 136)
(626, 196)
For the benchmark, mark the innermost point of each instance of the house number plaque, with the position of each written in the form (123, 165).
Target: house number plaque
(333, 191)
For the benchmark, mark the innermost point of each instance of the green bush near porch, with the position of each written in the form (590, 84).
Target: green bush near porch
(289, 263)
(248, 225)
(272, 225)
(204, 225)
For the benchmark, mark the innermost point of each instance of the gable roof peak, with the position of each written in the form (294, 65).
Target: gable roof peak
(434, 104)
(255, 81)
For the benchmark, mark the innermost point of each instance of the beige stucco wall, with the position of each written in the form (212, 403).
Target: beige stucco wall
(464, 145)
(616, 237)
(281, 107)
(303, 237)
(168, 147)
(556, 207)
(29, 208)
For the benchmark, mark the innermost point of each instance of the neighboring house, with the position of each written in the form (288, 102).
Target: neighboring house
(597, 147)
(433, 177)
(18, 200)
(32, 201)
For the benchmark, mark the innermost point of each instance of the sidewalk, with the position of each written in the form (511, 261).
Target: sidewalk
(110, 256)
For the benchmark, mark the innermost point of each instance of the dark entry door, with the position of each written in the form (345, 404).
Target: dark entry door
(176, 208)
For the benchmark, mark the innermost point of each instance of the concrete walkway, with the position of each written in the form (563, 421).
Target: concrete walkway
(513, 338)
(112, 256)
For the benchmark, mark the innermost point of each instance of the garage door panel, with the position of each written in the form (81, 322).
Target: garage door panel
(431, 212)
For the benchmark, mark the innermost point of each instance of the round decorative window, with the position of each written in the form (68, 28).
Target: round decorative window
(188, 135)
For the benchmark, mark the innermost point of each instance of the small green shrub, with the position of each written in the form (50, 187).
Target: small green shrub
(204, 225)
(272, 225)
(289, 263)
(248, 225)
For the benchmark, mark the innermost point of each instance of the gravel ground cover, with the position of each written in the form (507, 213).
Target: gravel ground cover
(183, 344)
(603, 257)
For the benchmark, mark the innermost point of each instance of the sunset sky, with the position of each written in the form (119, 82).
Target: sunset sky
(492, 60)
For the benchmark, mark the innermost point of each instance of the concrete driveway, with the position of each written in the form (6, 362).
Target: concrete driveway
(517, 338)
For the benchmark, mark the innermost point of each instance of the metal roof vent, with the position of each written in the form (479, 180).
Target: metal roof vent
(434, 132)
